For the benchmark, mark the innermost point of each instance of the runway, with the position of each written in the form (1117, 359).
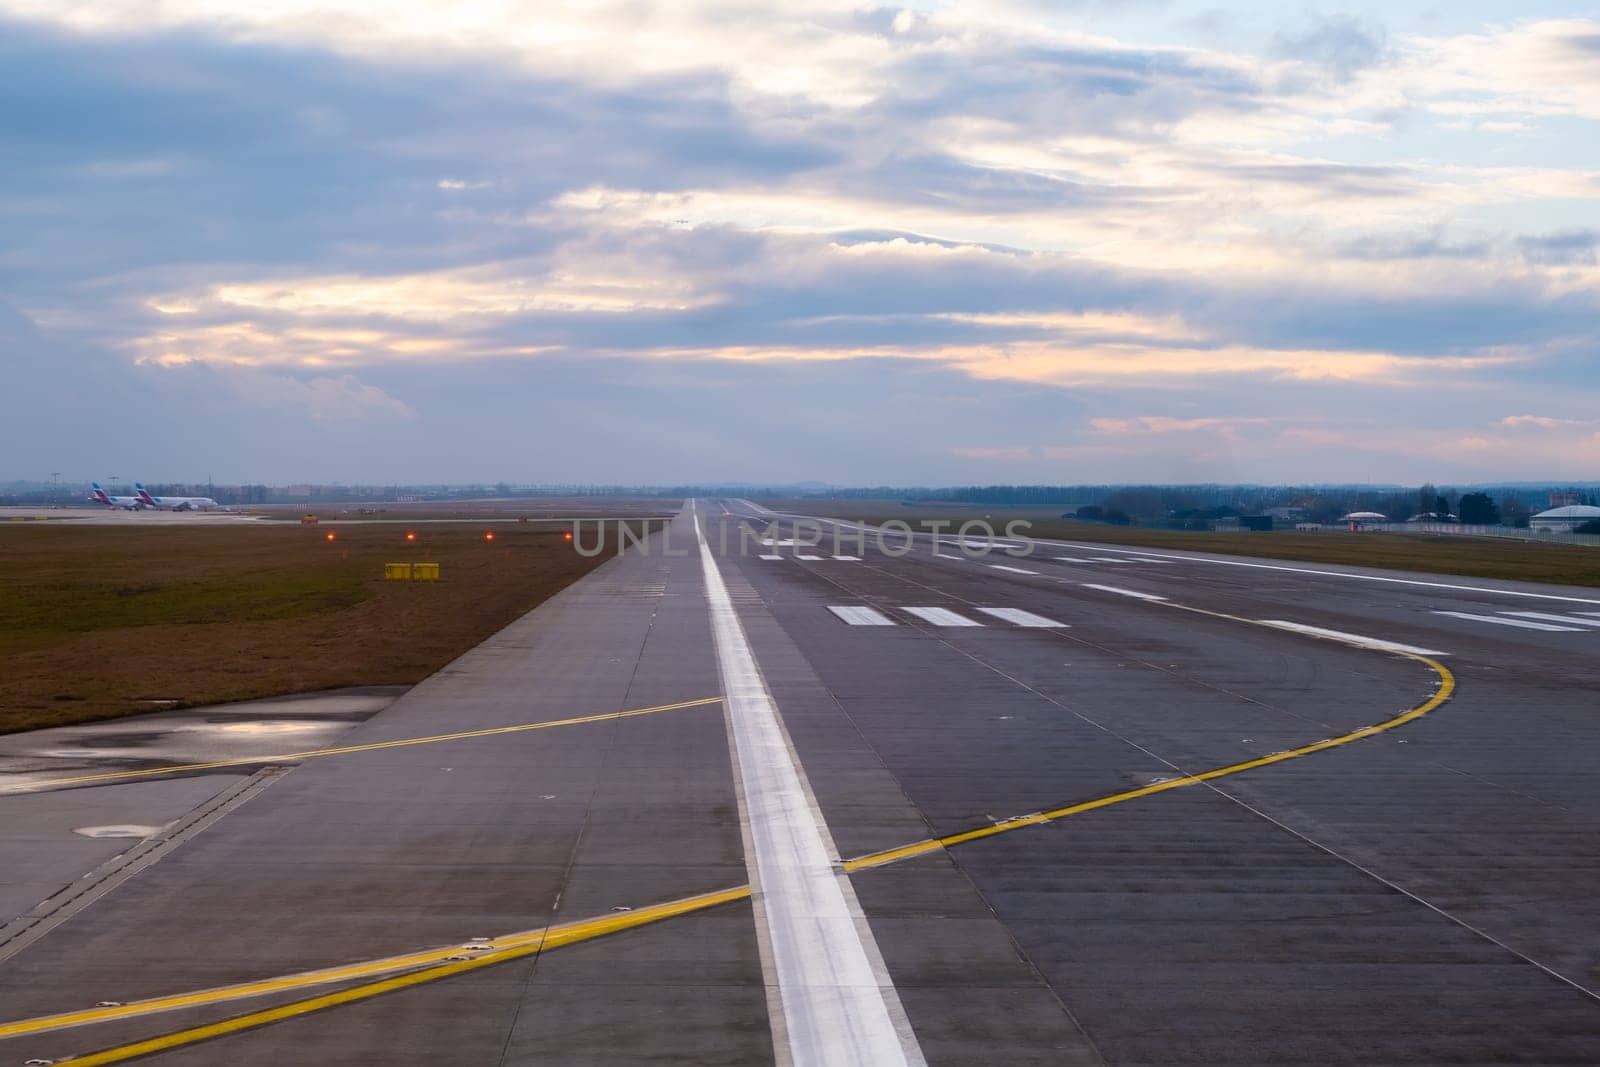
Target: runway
(726, 801)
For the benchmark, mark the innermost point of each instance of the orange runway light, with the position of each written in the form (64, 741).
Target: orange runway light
(567, 535)
(330, 536)
(410, 536)
(489, 536)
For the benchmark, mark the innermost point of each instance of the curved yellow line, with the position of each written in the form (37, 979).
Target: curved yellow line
(345, 750)
(519, 945)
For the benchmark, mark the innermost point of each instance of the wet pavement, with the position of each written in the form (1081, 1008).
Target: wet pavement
(49, 841)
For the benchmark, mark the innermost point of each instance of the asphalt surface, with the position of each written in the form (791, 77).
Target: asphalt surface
(1421, 893)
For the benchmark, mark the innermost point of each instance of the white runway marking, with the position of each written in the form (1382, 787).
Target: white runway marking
(771, 557)
(1112, 559)
(1351, 639)
(849, 559)
(1021, 618)
(1071, 559)
(941, 617)
(829, 991)
(1123, 592)
(1549, 617)
(1520, 623)
(812, 558)
(1146, 556)
(1013, 570)
(861, 616)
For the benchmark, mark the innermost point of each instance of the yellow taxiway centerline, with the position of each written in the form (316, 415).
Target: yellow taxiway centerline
(553, 937)
(345, 750)
(516, 946)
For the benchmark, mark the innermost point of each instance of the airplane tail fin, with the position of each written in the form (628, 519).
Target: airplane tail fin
(99, 495)
(144, 494)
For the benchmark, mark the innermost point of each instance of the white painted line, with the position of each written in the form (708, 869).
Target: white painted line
(1123, 592)
(771, 557)
(861, 616)
(1549, 617)
(1019, 617)
(1013, 570)
(1112, 559)
(811, 558)
(1351, 639)
(1591, 614)
(941, 617)
(829, 991)
(1141, 556)
(1521, 623)
(1071, 559)
(774, 543)
(849, 559)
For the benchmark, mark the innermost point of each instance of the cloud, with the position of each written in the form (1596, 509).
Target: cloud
(1340, 45)
(1568, 247)
(1546, 422)
(371, 224)
(343, 398)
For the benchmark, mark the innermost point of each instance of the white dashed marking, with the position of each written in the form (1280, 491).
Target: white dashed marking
(1519, 623)
(941, 617)
(1351, 639)
(1123, 592)
(856, 615)
(1022, 618)
(1551, 617)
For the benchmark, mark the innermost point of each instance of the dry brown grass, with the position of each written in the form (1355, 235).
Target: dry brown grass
(95, 620)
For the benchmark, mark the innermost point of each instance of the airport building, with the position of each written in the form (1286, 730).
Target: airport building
(1564, 519)
(1360, 520)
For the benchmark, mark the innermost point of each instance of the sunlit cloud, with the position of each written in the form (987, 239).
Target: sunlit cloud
(1198, 245)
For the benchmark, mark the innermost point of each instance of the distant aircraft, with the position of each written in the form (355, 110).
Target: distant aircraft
(174, 503)
(126, 503)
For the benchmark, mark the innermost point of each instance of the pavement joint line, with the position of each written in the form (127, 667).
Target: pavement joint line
(345, 750)
(72, 898)
(830, 997)
(534, 943)
(519, 945)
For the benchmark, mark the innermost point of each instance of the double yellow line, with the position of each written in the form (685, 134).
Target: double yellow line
(437, 964)
(344, 750)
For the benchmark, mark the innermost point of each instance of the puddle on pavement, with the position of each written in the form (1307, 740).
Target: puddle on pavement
(124, 830)
(196, 735)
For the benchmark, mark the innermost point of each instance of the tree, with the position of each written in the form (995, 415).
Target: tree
(1478, 509)
(1427, 500)
(1513, 512)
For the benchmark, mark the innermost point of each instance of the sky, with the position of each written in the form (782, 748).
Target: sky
(1018, 241)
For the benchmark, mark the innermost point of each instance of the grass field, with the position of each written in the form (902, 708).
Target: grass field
(1476, 557)
(97, 622)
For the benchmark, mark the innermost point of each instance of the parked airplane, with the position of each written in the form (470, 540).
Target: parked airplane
(126, 503)
(174, 503)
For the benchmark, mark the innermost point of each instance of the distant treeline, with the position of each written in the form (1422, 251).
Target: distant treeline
(1187, 506)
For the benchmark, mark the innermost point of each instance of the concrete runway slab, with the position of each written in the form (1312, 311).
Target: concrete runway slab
(1417, 895)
